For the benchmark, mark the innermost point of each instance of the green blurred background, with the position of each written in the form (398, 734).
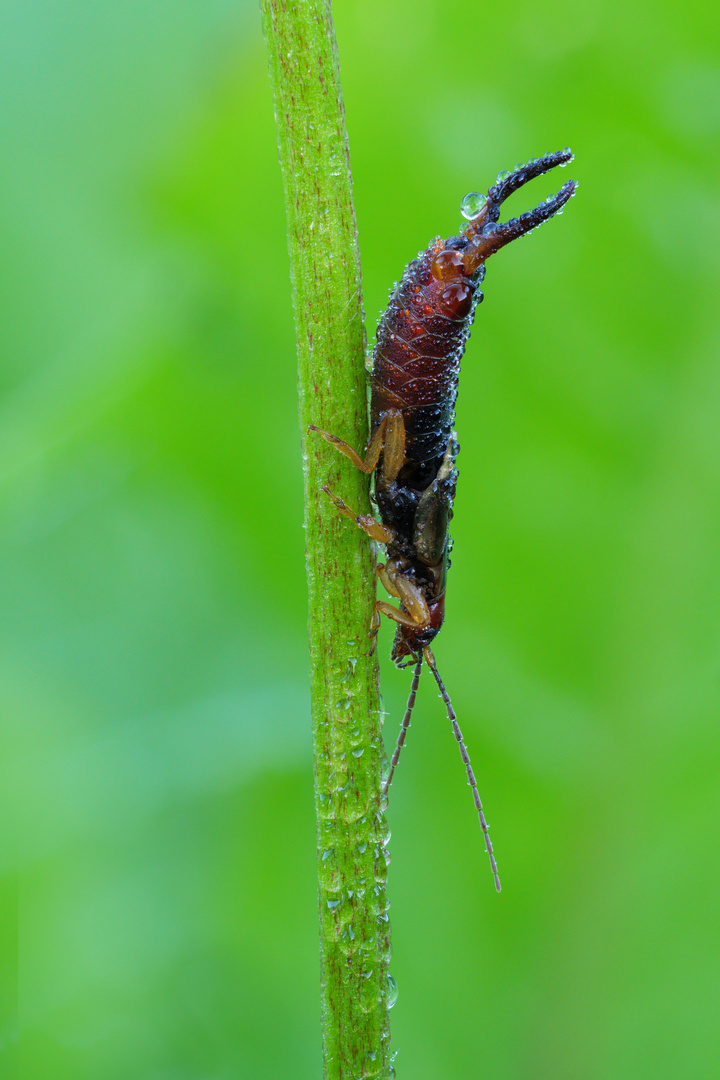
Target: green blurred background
(153, 660)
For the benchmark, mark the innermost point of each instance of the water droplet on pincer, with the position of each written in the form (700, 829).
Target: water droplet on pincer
(472, 204)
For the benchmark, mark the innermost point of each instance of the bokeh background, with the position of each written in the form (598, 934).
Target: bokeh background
(154, 683)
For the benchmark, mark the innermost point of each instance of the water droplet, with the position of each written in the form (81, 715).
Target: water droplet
(352, 813)
(350, 671)
(457, 299)
(490, 228)
(346, 941)
(327, 871)
(501, 176)
(362, 847)
(358, 753)
(340, 780)
(333, 905)
(472, 204)
(446, 266)
(392, 992)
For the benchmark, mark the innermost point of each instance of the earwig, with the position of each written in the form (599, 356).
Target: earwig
(412, 446)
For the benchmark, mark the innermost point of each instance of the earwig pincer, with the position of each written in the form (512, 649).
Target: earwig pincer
(412, 446)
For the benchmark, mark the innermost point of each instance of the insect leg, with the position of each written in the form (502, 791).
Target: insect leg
(393, 445)
(382, 533)
(373, 450)
(395, 615)
(405, 724)
(407, 591)
(430, 661)
(392, 613)
(400, 617)
(388, 436)
(417, 613)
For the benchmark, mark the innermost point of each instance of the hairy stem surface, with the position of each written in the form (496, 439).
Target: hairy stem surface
(346, 714)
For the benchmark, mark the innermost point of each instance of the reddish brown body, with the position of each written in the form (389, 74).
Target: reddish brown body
(420, 341)
(412, 448)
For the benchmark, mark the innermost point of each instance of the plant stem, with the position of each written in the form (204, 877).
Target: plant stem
(346, 714)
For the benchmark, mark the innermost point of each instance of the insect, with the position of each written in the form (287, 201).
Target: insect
(412, 446)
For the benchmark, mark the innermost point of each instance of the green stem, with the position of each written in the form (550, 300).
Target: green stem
(346, 713)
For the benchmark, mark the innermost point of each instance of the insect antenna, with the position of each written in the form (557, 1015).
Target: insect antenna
(405, 724)
(430, 660)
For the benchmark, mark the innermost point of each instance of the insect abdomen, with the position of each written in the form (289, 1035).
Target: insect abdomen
(420, 341)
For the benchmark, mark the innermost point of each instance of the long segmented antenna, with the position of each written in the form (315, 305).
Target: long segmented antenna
(405, 724)
(430, 660)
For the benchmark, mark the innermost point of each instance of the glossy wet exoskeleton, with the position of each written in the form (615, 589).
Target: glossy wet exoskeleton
(412, 447)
